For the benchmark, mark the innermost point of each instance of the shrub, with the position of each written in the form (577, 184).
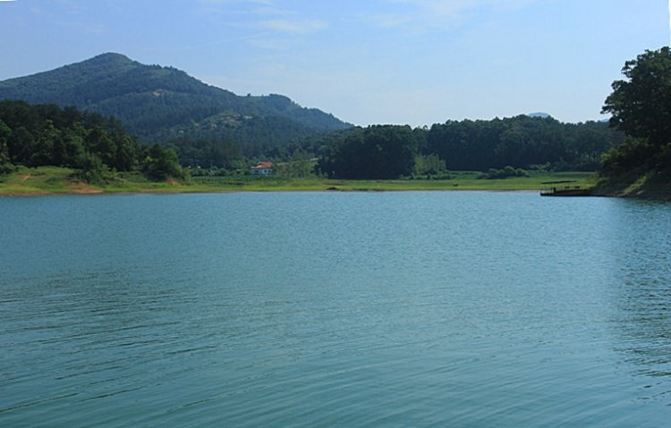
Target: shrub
(507, 172)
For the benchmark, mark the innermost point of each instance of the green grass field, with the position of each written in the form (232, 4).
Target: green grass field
(53, 180)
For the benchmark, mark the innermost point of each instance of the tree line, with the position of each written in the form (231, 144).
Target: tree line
(49, 135)
(520, 142)
(390, 151)
(39, 135)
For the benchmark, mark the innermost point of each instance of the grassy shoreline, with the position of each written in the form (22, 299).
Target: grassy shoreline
(652, 185)
(58, 181)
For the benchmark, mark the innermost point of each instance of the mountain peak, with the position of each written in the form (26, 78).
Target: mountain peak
(111, 55)
(107, 59)
(160, 103)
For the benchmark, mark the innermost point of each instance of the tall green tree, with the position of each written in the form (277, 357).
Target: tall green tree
(641, 104)
(376, 152)
(5, 132)
(69, 149)
(21, 145)
(299, 165)
(102, 144)
(641, 107)
(126, 154)
(429, 165)
(43, 149)
(160, 163)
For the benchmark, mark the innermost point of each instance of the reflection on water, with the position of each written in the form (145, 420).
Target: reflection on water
(334, 309)
(644, 292)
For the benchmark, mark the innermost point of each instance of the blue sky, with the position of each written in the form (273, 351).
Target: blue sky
(366, 61)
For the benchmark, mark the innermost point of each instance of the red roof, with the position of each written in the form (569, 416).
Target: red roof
(264, 165)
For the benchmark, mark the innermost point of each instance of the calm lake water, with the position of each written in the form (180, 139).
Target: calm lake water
(321, 309)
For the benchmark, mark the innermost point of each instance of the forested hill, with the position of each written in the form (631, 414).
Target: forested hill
(161, 103)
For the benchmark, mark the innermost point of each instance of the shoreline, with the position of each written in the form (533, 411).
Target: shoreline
(649, 186)
(48, 181)
(229, 191)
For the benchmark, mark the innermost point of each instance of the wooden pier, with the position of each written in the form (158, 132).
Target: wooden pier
(566, 191)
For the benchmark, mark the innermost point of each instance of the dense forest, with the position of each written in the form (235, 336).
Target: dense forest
(209, 154)
(158, 104)
(519, 142)
(38, 135)
(50, 135)
(254, 137)
(522, 142)
(641, 108)
(376, 152)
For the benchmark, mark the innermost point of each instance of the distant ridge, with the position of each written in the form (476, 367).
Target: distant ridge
(540, 114)
(161, 103)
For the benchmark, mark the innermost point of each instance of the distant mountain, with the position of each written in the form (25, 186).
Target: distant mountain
(161, 103)
(540, 114)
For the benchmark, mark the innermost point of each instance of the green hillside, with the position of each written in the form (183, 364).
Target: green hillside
(162, 103)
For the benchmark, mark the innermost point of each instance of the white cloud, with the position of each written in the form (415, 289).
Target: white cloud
(431, 13)
(267, 15)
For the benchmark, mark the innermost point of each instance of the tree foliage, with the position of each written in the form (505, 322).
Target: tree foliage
(507, 172)
(429, 166)
(299, 165)
(520, 142)
(38, 135)
(5, 162)
(221, 154)
(641, 107)
(159, 163)
(376, 152)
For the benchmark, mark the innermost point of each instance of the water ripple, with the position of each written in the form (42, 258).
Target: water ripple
(417, 309)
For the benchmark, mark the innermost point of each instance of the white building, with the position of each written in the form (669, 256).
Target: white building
(263, 168)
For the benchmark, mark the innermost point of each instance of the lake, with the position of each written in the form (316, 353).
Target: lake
(322, 309)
